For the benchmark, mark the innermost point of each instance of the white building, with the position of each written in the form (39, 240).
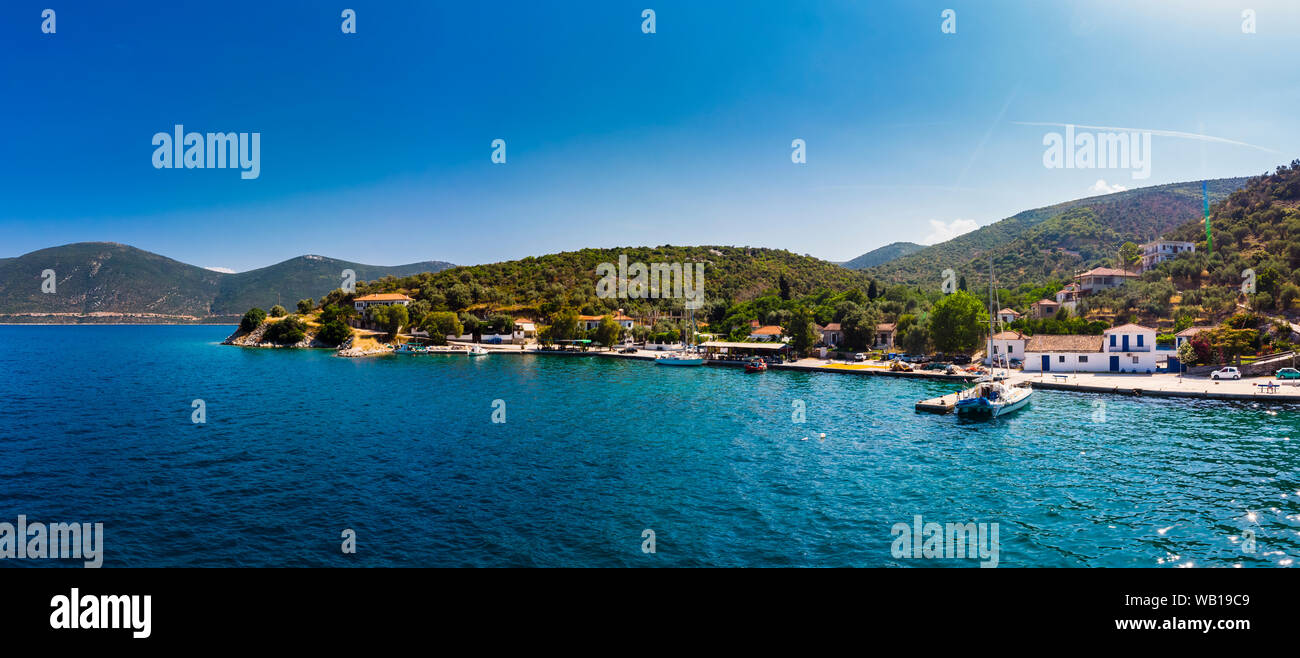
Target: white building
(1159, 251)
(832, 334)
(1064, 354)
(1131, 348)
(1010, 344)
(1127, 348)
(769, 332)
(381, 299)
(1007, 316)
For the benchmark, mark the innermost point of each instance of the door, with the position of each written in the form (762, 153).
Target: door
(1114, 364)
(1047, 363)
(1125, 343)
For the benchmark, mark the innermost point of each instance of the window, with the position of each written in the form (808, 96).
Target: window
(1083, 359)
(1112, 340)
(1140, 337)
(1135, 359)
(1061, 359)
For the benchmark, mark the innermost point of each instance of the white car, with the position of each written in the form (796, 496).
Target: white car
(1226, 373)
(859, 357)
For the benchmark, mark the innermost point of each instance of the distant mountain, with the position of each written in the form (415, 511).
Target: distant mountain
(106, 278)
(883, 255)
(297, 278)
(1055, 241)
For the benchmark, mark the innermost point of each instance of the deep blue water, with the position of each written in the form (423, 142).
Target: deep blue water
(95, 425)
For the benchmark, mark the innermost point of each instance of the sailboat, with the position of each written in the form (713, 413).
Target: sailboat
(690, 356)
(992, 397)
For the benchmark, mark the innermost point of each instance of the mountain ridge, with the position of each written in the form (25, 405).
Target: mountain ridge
(105, 279)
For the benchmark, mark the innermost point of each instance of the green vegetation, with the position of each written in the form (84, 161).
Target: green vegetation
(608, 331)
(333, 333)
(286, 331)
(277, 311)
(883, 255)
(957, 322)
(306, 305)
(251, 319)
(1055, 242)
(390, 318)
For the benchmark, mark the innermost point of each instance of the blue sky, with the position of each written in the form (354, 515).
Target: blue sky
(376, 146)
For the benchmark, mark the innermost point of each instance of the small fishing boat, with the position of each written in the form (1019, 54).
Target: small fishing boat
(476, 350)
(407, 348)
(756, 365)
(990, 398)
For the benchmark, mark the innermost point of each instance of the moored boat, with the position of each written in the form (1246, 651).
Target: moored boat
(686, 359)
(756, 365)
(476, 350)
(991, 398)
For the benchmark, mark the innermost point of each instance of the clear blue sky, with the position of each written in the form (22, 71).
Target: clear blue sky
(376, 146)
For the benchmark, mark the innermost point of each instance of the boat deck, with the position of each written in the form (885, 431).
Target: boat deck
(940, 405)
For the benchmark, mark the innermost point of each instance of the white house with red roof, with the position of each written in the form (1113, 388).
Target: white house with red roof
(1009, 344)
(381, 299)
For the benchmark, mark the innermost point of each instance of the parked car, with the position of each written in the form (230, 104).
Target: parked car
(859, 357)
(627, 350)
(961, 360)
(1226, 373)
(1288, 373)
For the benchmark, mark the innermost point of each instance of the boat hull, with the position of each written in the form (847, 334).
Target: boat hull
(680, 362)
(982, 407)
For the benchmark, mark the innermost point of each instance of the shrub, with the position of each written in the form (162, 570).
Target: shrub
(306, 305)
(287, 331)
(252, 319)
(278, 311)
(333, 332)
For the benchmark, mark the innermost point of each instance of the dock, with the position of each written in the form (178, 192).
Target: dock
(940, 405)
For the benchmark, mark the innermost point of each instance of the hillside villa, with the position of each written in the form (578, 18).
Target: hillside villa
(1043, 308)
(381, 299)
(1007, 316)
(1159, 251)
(769, 332)
(1101, 278)
(1127, 348)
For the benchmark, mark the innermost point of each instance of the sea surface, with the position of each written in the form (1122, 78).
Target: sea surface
(96, 425)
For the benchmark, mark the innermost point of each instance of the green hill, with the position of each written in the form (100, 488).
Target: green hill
(883, 255)
(111, 278)
(547, 283)
(1053, 242)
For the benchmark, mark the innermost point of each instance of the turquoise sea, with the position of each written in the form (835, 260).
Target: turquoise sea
(96, 426)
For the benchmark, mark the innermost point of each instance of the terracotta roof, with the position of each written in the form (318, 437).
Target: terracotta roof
(385, 297)
(834, 326)
(1104, 271)
(1007, 310)
(1046, 343)
(1192, 331)
(1045, 302)
(1129, 327)
(1009, 335)
(885, 326)
(769, 330)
